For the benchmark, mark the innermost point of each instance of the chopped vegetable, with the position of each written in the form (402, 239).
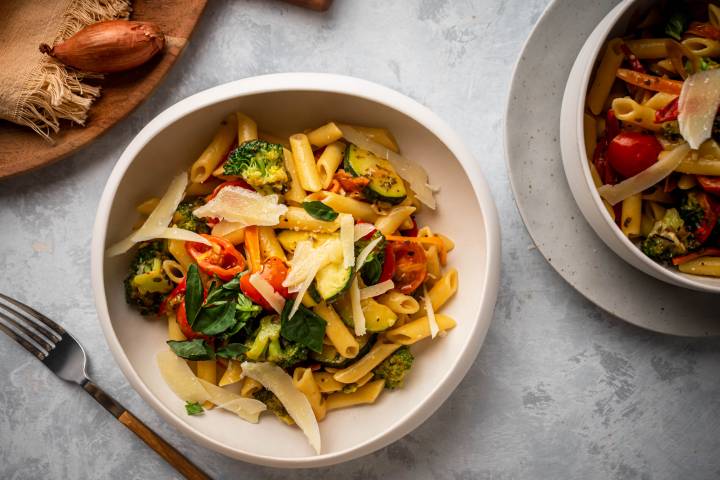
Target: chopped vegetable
(395, 368)
(221, 258)
(147, 283)
(668, 237)
(193, 408)
(410, 266)
(650, 82)
(260, 164)
(305, 327)
(629, 153)
(319, 210)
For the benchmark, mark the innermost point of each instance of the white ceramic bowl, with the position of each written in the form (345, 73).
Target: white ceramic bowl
(576, 162)
(283, 104)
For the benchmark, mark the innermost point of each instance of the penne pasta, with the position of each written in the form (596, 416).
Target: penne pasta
(399, 302)
(389, 223)
(325, 135)
(296, 218)
(628, 110)
(338, 333)
(605, 76)
(329, 161)
(269, 245)
(304, 162)
(304, 381)
(418, 329)
(224, 139)
(379, 352)
(363, 395)
(247, 128)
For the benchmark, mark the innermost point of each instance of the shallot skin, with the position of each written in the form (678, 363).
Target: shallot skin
(109, 46)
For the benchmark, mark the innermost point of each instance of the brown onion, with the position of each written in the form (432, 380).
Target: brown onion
(110, 46)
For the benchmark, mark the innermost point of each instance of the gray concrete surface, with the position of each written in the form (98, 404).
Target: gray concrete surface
(560, 390)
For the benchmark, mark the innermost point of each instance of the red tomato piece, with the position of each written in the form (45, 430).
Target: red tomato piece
(629, 153)
(221, 259)
(709, 184)
(185, 328)
(388, 269)
(410, 266)
(173, 298)
(274, 272)
(705, 226)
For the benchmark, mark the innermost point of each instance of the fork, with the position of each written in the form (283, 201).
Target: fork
(65, 357)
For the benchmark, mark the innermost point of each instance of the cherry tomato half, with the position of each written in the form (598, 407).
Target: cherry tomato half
(221, 259)
(274, 272)
(629, 153)
(185, 328)
(388, 269)
(410, 266)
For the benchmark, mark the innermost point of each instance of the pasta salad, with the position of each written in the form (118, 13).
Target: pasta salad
(652, 133)
(293, 274)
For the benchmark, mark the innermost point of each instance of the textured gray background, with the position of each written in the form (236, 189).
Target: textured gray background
(560, 390)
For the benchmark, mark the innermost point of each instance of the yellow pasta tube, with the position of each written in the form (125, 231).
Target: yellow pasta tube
(714, 15)
(418, 329)
(363, 395)
(250, 387)
(709, 266)
(338, 333)
(232, 374)
(174, 332)
(146, 207)
(173, 270)
(211, 157)
(383, 136)
(296, 218)
(200, 189)
(324, 135)
(391, 222)
(305, 163)
(399, 302)
(443, 289)
(590, 134)
(326, 383)
(269, 245)
(342, 204)
(686, 182)
(628, 110)
(329, 161)
(304, 381)
(177, 250)
(702, 47)
(630, 220)
(234, 234)
(270, 138)
(247, 128)
(605, 76)
(433, 261)
(699, 166)
(648, 48)
(379, 352)
(295, 193)
(660, 100)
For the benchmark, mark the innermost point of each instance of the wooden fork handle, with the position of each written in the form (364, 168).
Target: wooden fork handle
(152, 439)
(317, 5)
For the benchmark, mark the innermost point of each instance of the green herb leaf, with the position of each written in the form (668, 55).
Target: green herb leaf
(320, 211)
(196, 349)
(305, 327)
(371, 270)
(232, 351)
(193, 294)
(676, 25)
(193, 408)
(216, 318)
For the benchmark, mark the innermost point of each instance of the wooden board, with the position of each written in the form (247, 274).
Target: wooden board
(21, 149)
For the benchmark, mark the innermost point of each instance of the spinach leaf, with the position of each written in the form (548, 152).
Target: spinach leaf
(196, 349)
(216, 318)
(223, 291)
(320, 211)
(676, 25)
(371, 270)
(193, 408)
(305, 327)
(232, 351)
(193, 294)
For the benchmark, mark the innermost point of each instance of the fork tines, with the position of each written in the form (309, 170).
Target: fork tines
(30, 328)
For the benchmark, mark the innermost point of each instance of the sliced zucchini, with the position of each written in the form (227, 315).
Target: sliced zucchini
(378, 317)
(329, 357)
(385, 184)
(332, 281)
(289, 238)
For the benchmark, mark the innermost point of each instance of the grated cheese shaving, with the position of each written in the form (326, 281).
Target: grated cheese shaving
(276, 301)
(248, 409)
(243, 206)
(347, 239)
(377, 289)
(297, 405)
(178, 376)
(363, 229)
(357, 311)
(434, 328)
(365, 253)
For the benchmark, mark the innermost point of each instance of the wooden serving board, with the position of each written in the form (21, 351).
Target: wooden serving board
(21, 149)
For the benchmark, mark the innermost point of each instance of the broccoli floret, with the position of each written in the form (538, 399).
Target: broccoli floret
(395, 368)
(691, 210)
(671, 131)
(273, 405)
(184, 218)
(267, 345)
(147, 284)
(259, 163)
(668, 237)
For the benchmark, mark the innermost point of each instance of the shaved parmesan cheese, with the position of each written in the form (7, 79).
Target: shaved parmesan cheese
(430, 312)
(666, 164)
(357, 311)
(365, 253)
(698, 106)
(243, 206)
(347, 239)
(156, 225)
(411, 172)
(180, 378)
(276, 301)
(248, 409)
(297, 405)
(377, 289)
(306, 262)
(363, 230)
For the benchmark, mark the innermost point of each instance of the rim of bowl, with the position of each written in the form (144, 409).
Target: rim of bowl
(666, 274)
(308, 82)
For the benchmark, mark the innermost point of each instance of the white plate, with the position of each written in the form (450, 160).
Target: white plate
(546, 205)
(284, 104)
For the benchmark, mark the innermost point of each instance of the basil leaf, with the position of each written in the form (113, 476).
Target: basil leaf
(676, 25)
(305, 327)
(193, 294)
(216, 318)
(192, 349)
(193, 408)
(320, 211)
(371, 270)
(232, 351)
